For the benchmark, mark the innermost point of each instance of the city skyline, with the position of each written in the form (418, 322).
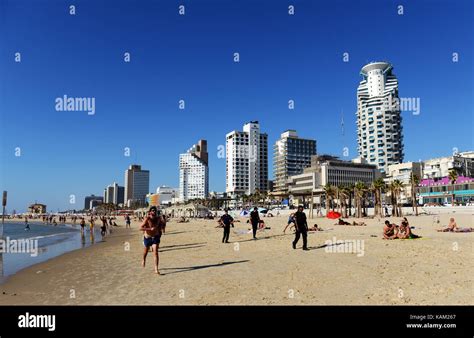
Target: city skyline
(317, 79)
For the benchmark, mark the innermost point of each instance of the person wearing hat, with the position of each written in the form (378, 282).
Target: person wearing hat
(255, 220)
(301, 227)
(153, 227)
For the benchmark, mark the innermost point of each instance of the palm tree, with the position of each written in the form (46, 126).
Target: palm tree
(396, 188)
(245, 198)
(351, 188)
(264, 197)
(377, 187)
(256, 196)
(415, 181)
(329, 193)
(344, 193)
(338, 191)
(453, 177)
(359, 194)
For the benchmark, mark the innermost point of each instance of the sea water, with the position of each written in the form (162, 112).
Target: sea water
(51, 241)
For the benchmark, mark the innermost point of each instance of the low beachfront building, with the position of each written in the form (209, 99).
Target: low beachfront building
(326, 169)
(37, 208)
(441, 191)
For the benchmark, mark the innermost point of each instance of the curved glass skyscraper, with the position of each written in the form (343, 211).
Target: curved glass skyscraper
(379, 121)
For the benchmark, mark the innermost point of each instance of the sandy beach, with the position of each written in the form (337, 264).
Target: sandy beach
(197, 269)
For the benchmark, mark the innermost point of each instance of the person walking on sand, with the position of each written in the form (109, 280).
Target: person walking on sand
(301, 227)
(127, 222)
(153, 227)
(255, 220)
(226, 221)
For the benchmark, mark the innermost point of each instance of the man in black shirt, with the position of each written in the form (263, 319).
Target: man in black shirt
(254, 219)
(226, 221)
(301, 228)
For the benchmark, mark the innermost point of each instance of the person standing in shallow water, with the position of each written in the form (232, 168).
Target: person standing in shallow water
(301, 227)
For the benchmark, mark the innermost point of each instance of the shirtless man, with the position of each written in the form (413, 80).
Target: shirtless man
(390, 231)
(153, 227)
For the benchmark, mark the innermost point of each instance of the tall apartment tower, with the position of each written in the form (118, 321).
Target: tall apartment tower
(246, 160)
(137, 185)
(379, 120)
(291, 155)
(194, 172)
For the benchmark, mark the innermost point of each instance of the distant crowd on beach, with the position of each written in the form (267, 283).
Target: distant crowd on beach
(153, 226)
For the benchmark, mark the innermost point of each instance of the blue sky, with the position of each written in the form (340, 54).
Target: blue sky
(190, 57)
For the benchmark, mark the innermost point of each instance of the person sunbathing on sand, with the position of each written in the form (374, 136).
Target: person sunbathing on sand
(340, 221)
(453, 227)
(315, 228)
(359, 224)
(404, 230)
(390, 231)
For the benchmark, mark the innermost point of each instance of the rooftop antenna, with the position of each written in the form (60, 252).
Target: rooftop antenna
(342, 121)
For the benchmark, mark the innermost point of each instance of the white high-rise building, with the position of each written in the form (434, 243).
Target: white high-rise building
(194, 172)
(114, 194)
(379, 122)
(246, 160)
(137, 184)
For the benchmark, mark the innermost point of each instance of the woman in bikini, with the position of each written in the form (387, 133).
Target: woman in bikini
(404, 231)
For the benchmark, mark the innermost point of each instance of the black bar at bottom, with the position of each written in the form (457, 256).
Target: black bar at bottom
(419, 321)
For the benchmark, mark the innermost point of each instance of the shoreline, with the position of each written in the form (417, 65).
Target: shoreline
(43, 242)
(199, 270)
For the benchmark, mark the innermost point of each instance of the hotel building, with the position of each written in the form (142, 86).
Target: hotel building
(291, 155)
(137, 183)
(379, 121)
(114, 194)
(194, 172)
(246, 160)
